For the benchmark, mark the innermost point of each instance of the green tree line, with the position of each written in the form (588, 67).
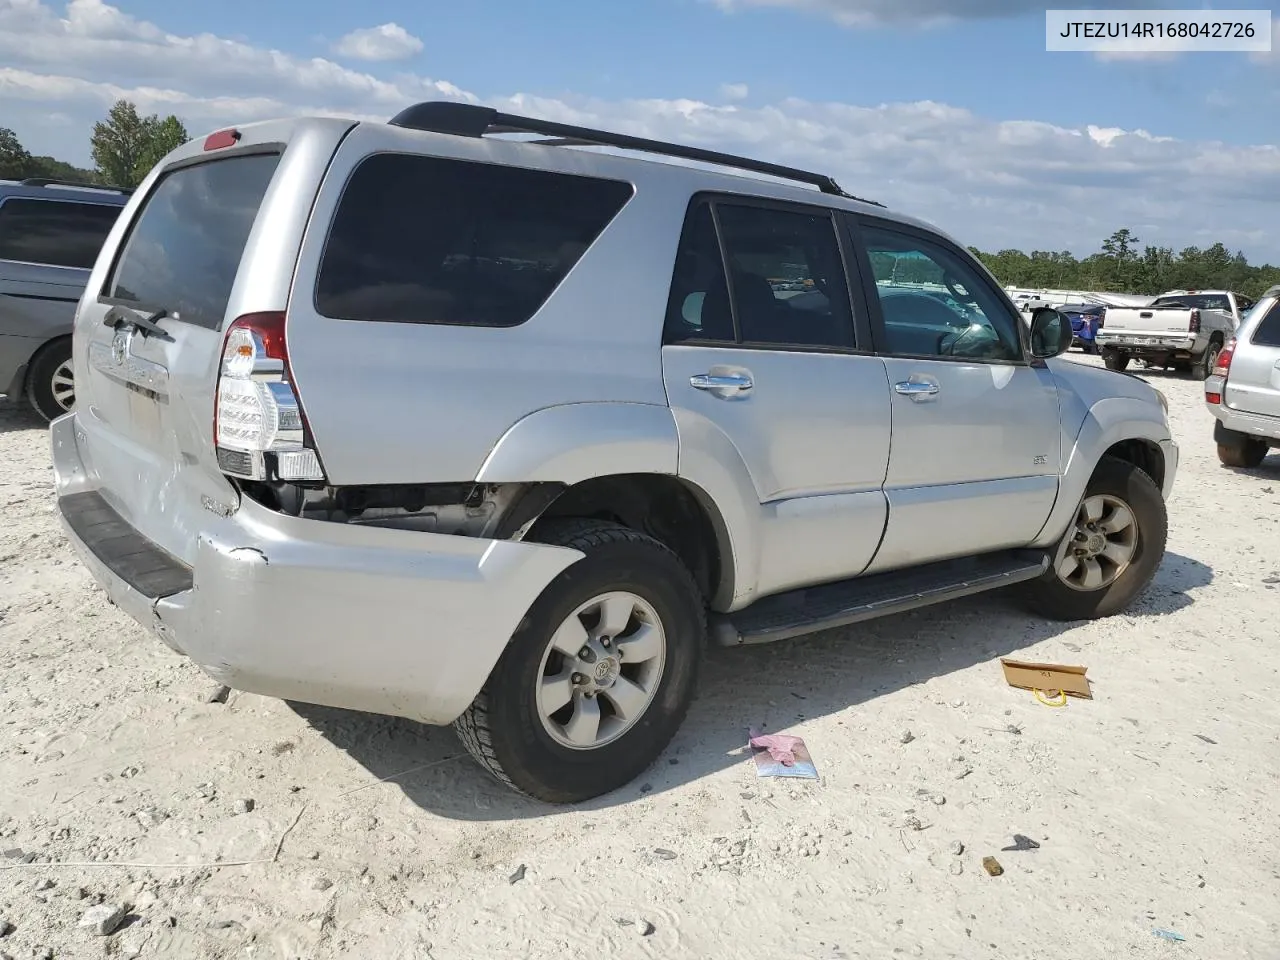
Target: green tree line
(124, 145)
(1122, 265)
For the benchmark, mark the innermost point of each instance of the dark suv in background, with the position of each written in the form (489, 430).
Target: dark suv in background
(50, 235)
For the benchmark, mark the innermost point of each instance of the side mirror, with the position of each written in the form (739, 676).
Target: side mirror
(1050, 333)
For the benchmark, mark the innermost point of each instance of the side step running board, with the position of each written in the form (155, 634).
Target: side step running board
(839, 604)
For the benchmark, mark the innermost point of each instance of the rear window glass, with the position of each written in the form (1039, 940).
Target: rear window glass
(1196, 301)
(184, 249)
(60, 233)
(432, 240)
(1267, 333)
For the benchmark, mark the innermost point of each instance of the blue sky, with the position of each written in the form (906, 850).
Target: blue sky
(968, 123)
(689, 48)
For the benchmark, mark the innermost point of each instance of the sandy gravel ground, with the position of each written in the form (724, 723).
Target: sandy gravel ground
(1154, 805)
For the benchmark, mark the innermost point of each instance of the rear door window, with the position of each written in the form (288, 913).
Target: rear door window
(59, 233)
(183, 251)
(788, 287)
(434, 240)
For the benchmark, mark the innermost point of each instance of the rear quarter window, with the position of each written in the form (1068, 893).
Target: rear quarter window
(59, 233)
(1267, 333)
(434, 240)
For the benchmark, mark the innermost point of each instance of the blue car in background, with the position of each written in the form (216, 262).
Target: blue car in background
(1085, 319)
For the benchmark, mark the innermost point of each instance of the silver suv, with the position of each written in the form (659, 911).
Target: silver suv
(413, 418)
(50, 235)
(1243, 389)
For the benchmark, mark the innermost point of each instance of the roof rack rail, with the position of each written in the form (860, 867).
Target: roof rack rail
(55, 182)
(472, 120)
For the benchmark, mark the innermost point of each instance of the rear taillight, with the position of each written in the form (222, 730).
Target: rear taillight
(1221, 367)
(1195, 321)
(259, 428)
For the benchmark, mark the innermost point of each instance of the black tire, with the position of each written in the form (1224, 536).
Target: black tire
(502, 728)
(1204, 369)
(41, 373)
(1247, 452)
(1049, 597)
(1115, 361)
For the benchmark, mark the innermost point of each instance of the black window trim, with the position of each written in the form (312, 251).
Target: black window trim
(118, 207)
(856, 221)
(250, 150)
(401, 152)
(860, 326)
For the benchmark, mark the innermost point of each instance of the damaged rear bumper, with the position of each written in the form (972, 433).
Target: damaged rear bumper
(365, 618)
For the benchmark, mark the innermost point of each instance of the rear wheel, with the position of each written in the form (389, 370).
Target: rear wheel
(1111, 550)
(1114, 360)
(1242, 451)
(51, 387)
(1204, 368)
(599, 675)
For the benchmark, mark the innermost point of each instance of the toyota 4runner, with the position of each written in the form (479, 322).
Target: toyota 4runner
(420, 419)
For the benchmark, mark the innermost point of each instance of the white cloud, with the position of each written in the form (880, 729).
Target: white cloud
(734, 91)
(390, 41)
(990, 182)
(911, 13)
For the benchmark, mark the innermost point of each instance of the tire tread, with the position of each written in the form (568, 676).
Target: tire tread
(472, 726)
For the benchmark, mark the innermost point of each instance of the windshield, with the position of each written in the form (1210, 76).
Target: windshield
(1201, 301)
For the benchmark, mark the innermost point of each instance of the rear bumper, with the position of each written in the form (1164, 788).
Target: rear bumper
(1251, 424)
(1147, 344)
(386, 621)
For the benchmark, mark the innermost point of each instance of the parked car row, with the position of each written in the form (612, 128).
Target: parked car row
(50, 235)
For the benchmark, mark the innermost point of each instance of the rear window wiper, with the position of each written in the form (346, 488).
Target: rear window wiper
(147, 326)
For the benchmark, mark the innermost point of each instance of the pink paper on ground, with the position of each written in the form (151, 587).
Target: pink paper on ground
(780, 755)
(780, 746)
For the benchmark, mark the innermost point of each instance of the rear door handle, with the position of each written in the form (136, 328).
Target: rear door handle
(916, 389)
(733, 382)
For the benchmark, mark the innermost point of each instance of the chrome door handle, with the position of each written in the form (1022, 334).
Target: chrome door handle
(915, 389)
(712, 381)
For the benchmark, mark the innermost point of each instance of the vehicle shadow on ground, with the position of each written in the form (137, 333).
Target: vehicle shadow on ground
(1269, 469)
(771, 686)
(15, 417)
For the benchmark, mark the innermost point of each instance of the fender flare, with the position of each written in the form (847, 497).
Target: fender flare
(570, 443)
(712, 464)
(1109, 421)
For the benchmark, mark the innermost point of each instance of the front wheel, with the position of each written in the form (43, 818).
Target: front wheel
(598, 676)
(1111, 550)
(1114, 360)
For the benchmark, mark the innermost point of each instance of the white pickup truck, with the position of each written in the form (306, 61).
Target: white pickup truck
(1182, 329)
